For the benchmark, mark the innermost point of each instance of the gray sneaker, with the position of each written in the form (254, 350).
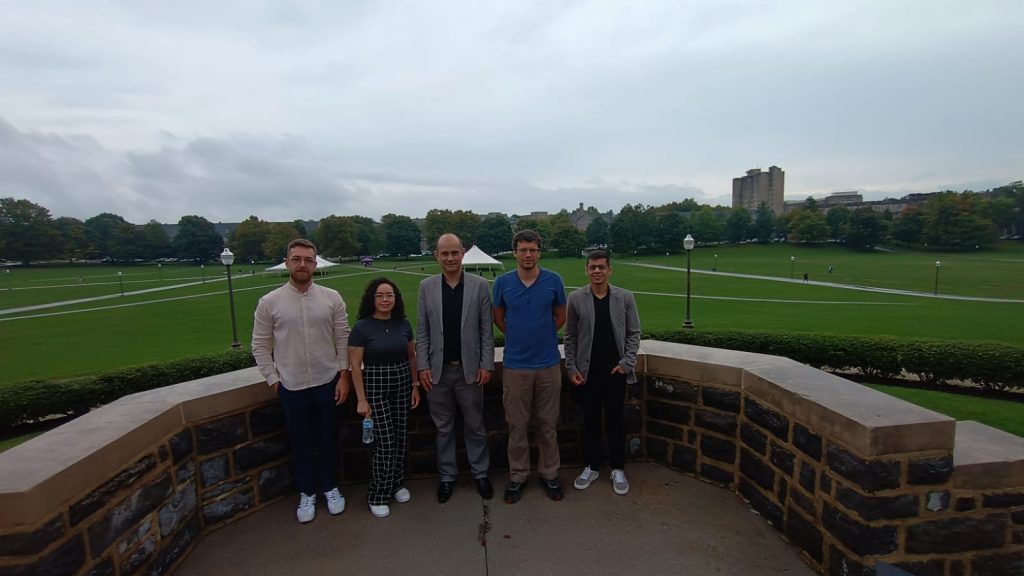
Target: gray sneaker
(585, 479)
(619, 482)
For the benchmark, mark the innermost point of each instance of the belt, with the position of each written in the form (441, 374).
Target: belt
(454, 363)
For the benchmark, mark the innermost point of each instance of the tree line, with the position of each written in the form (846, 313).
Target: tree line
(946, 220)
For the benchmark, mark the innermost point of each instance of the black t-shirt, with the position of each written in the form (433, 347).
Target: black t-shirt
(604, 354)
(382, 341)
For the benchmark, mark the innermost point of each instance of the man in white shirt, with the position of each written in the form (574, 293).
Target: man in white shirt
(300, 343)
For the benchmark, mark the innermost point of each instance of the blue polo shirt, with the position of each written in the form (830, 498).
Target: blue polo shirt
(531, 340)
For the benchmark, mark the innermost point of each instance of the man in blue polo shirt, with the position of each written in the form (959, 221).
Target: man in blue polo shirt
(529, 307)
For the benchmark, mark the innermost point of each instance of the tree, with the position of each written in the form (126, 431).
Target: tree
(75, 241)
(401, 235)
(197, 239)
(739, 225)
(669, 232)
(632, 229)
(764, 223)
(300, 228)
(567, 239)
(26, 231)
(154, 241)
(909, 228)
(369, 236)
(807, 226)
(247, 239)
(836, 218)
(279, 235)
(337, 235)
(951, 222)
(705, 226)
(462, 223)
(865, 230)
(810, 204)
(597, 232)
(494, 234)
(103, 227)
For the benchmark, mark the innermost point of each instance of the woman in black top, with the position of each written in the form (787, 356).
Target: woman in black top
(382, 354)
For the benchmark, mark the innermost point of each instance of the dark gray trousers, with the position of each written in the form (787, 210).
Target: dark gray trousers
(449, 394)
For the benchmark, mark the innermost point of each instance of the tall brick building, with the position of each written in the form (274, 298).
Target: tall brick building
(757, 186)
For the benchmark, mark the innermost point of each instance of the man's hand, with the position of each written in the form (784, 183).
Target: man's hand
(342, 388)
(424, 376)
(274, 386)
(576, 379)
(483, 376)
(618, 370)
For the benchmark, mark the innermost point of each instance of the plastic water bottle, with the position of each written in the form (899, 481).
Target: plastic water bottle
(367, 430)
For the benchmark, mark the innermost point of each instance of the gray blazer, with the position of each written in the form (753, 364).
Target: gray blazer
(579, 330)
(477, 331)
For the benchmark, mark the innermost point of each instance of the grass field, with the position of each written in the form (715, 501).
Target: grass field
(1002, 414)
(193, 316)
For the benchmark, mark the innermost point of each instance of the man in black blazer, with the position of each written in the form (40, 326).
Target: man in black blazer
(455, 351)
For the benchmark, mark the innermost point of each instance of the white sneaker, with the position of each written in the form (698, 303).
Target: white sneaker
(402, 495)
(380, 511)
(335, 502)
(307, 508)
(585, 478)
(619, 482)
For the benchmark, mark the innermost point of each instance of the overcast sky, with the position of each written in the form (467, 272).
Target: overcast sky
(285, 110)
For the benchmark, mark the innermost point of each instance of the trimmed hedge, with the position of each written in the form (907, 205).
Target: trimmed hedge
(991, 365)
(32, 400)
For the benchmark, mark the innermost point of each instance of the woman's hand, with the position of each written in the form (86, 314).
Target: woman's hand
(363, 408)
(415, 397)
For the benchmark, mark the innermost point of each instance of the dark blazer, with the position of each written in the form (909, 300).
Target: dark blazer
(579, 330)
(477, 331)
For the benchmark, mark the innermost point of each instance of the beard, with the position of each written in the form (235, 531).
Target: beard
(301, 276)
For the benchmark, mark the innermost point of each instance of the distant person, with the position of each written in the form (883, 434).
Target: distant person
(602, 337)
(300, 343)
(806, 278)
(529, 308)
(383, 358)
(455, 357)
(830, 269)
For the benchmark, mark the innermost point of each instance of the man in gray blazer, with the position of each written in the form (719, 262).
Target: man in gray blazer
(455, 348)
(602, 337)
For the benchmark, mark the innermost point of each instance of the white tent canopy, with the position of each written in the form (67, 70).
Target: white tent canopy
(321, 264)
(475, 257)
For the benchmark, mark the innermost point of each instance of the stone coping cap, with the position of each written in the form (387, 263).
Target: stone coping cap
(985, 457)
(861, 418)
(701, 364)
(36, 477)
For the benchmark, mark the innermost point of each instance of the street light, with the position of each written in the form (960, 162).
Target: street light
(792, 262)
(227, 259)
(714, 267)
(688, 246)
(120, 279)
(937, 266)
(7, 273)
(202, 268)
(160, 271)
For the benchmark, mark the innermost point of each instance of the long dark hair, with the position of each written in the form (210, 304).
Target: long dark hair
(366, 308)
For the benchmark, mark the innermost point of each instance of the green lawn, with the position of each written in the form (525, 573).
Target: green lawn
(1001, 414)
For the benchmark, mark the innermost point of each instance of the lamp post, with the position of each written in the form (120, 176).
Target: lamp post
(227, 259)
(7, 273)
(688, 246)
(160, 271)
(202, 269)
(120, 280)
(938, 264)
(792, 263)
(714, 267)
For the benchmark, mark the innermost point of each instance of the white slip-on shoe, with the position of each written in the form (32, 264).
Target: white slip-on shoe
(307, 508)
(380, 511)
(585, 478)
(335, 502)
(619, 482)
(402, 495)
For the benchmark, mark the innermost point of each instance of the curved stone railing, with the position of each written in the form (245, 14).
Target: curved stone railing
(851, 476)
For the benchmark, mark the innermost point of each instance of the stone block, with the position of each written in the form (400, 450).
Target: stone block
(752, 468)
(860, 538)
(33, 542)
(675, 391)
(221, 433)
(987, 458)
(266, 420)
(1008, 564)
(965, 504)
(106, 493)
(924, 568)
(1017, 517)
(716, 422)
(670, 431)
(937, 501)
(669, 412)
(181, 445)
(178, 546)
(66, 560)
(807, 442)
(957, 534)
(753, 438)
(181, 506)
(274, 482)
(715, 448)
(870, 475)
(805, 503)
(1003, 500)
(103, 568)
(185, 473)
(255, 454)
(767, 418)
(657, 450)
(930, 470)
(135, 536)
(113, 524)
(684, 458)
(768, 510)
(162, 453)
(825, 483)
(782, 490)
(228, 507)
(716, 474)
(138, 557)
(725, 400)
(805, 534)
(782, 459)
(808, 477)
(839, 564)
(214, 470)
(878, 507)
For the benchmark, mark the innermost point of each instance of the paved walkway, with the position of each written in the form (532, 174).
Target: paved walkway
(669, 523)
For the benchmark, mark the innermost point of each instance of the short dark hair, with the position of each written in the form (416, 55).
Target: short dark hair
(599, 255)
(366, 308)
(300, 242)
(526, 236)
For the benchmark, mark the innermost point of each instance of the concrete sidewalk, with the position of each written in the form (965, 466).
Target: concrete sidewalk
(669, 523)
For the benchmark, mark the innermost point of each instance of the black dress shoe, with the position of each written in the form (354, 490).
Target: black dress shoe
(484, 487)
(444, 491)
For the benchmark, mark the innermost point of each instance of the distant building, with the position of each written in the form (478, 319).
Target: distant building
(756, 187)
(582, 218)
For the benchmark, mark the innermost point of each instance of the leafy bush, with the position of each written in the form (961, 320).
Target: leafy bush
(32, 400)
(991, 365)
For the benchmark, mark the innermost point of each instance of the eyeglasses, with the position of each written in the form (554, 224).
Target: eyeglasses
(597, 267)
(306, 261)
(385, 295)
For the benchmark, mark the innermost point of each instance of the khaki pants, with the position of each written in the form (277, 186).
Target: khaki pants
(536, 393)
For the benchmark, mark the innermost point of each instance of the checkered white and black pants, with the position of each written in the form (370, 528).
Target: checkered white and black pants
(388, 389)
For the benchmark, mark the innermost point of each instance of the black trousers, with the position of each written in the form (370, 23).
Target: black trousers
(604, 392)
